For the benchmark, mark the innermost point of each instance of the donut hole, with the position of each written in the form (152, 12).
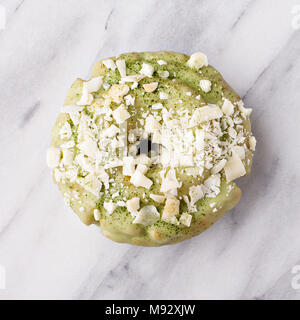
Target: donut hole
(147, 147)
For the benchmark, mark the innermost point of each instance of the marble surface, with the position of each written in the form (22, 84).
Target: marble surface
(47, 252)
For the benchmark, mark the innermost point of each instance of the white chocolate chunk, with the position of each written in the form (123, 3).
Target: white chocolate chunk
(128, 166)
(186, 219)
(239, 151)
(189, 205)
(219, 166)
(185, 160)
(234, 168)
(156, 137)
(86, 97)
(121, 114)
(228, 107)
(252, 143)
(109, 64)
(196, 193)
(133, 78)
(172, 193)
(205, 85)
(151, 124)
(102, 175)
(171, 209)
(245, 111)
(134, 85)
(96, 215)
(66, 131)
(68, 156)
(94, 84)
(53, 157)
(170, 182)
(232, 133)
(121, 65)
(109, 207)
(157, 106)
(133, 205)
(147, 70)
(144, 159)
(89, 147)
(142, 168)
(68, 145)
(116, 92)
(148, 215)
(75, 117)
(172, 220)
(111, 131)
(157, 198)
(213, 182)
(91, 184)
(197, 60)
(129, 100)
(205, 113)
(150, 87)
(140, 180)
(200, 140)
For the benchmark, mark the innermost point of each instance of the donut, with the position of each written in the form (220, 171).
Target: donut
(148, 149)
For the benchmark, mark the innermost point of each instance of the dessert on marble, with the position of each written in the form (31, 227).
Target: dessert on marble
(149, 147)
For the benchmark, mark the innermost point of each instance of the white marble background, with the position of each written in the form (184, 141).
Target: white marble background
(47, 252)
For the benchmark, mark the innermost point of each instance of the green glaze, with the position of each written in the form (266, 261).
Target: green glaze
(182, 79)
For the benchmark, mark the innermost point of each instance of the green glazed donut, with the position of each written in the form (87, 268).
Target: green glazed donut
(148, 148)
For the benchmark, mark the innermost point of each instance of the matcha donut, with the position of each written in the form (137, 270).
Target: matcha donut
(148, 148)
